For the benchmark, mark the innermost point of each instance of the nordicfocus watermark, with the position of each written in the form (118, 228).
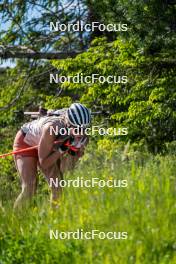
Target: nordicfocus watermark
(88, 131)
(80, 234)
(89, 27)
(94, 78)
(88, 183)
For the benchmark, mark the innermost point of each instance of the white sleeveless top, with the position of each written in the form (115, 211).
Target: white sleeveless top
(33, 129)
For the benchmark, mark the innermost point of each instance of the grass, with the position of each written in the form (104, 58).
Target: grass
(146, 209)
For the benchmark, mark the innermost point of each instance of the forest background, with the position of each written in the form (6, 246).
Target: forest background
(146, 104)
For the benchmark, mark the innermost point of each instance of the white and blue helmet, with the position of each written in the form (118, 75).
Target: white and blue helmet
(79, 115)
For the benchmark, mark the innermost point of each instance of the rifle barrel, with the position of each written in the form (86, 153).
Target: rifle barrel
(38, 113)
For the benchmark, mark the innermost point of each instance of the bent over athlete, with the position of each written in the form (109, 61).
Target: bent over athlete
(52, 159)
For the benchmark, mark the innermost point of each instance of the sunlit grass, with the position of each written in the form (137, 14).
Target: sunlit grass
(146, 209)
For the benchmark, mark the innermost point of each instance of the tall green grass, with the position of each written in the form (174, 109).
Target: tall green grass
(146, 209)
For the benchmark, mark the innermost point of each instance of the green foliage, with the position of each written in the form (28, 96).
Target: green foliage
(28, 24)
(145, 104)
(57, 102)
(145, 54)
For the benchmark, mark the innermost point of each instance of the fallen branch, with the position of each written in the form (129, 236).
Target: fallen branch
(7, 54)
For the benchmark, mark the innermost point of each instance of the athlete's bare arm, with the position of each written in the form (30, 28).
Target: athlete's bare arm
(45, 150)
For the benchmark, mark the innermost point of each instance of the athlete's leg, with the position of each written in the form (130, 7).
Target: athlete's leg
(55, 173)
(53, 176)
(27, 168)
(68, 163)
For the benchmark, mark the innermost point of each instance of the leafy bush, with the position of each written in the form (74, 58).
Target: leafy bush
(145, 104)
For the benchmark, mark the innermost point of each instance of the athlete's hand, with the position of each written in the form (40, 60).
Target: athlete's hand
(61, 148)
